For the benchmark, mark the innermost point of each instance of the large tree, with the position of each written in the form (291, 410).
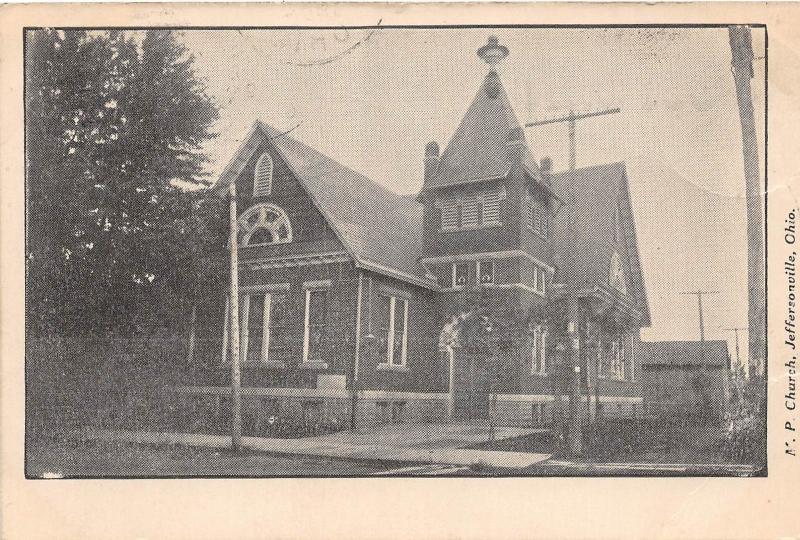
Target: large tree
(115, 124)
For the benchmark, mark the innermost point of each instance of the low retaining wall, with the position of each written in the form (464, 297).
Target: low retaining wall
(328, 405)
(539, 410)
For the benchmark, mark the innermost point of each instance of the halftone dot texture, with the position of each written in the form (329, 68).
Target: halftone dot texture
(369, 101)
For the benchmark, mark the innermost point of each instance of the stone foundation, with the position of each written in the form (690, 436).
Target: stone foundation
(539, 410)
(334, 406)
(323, 406)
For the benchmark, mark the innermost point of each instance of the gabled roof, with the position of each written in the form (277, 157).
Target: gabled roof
(684, 353)
(478, 149)
(380, 229)
(583, 249)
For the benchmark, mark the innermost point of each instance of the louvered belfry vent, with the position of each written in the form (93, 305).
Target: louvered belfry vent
(262, 181)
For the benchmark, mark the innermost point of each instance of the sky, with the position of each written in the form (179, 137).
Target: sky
(372, 99)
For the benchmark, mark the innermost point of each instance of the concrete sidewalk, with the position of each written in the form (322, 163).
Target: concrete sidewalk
(322, 447)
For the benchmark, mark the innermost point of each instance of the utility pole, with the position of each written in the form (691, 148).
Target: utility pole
(236, 390)
(571, 118)
(736, 333)
(736, 378)
(702, 326)
(742, 68)
(574, 434)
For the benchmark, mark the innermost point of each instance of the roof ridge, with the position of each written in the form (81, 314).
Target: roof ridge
(349, 169)
(381, 229)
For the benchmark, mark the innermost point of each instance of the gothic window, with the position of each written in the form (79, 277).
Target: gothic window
(262, 178)
(265, 224)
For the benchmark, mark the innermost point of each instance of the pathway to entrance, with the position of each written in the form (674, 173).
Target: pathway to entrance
(426, 436)
(395, 443)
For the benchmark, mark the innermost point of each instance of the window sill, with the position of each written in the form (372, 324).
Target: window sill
(268, 365)
(313, 365)
(393, 367)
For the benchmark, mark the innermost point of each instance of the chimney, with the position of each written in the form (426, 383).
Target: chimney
(515, 144)
(431, 160)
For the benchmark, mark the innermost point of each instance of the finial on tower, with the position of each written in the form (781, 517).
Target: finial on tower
(493, 53)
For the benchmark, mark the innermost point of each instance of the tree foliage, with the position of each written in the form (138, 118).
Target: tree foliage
(115, 124)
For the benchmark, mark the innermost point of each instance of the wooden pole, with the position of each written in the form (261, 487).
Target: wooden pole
(571, 119)
(575, 437)
(742, 68)
(597, 366)
(702, 324)
(236, 390)
(357, 355)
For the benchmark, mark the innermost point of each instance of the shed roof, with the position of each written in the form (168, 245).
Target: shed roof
(684, 353)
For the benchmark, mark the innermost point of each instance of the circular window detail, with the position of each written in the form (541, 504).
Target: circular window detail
(265, 224)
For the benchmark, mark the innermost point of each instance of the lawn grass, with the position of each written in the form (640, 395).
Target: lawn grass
(623, 441)
(70, 458)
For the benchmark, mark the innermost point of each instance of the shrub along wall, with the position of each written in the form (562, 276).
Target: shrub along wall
(77, 382)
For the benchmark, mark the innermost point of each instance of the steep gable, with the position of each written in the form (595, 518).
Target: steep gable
(584, 231)
(380, 229)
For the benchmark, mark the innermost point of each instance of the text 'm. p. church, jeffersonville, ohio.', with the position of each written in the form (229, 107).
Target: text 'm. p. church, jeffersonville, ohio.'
(478, 296)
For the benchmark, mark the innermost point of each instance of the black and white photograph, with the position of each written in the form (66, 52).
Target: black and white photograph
(396, 251)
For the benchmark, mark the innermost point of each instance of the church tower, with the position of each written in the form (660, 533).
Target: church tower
(488, 204)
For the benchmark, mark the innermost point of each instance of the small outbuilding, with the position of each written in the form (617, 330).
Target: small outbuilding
(688, 377)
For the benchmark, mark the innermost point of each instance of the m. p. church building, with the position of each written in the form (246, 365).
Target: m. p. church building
(497, 289)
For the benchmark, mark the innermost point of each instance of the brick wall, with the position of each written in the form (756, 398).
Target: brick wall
(425, 370)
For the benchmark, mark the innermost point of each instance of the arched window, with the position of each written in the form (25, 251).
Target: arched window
(265, 224)
(262, 180)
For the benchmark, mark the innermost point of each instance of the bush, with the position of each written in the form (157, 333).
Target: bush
(745, 432)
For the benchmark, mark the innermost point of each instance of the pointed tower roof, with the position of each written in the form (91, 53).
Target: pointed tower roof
(478, 149)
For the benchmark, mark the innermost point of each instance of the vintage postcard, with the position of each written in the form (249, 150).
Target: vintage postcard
(517, 252)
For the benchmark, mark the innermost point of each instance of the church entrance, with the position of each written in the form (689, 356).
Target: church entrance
(471, 384)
